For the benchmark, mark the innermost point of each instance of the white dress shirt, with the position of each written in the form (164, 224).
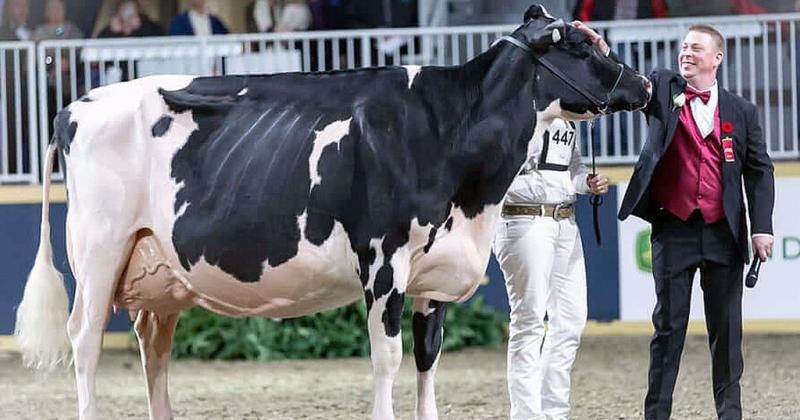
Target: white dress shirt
(703, 113)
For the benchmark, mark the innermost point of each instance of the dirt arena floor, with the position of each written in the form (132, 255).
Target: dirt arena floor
(609, 383)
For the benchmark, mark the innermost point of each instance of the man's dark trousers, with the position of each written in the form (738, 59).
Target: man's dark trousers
(679, 249)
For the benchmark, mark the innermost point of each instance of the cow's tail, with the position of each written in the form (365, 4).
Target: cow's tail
(41, 329)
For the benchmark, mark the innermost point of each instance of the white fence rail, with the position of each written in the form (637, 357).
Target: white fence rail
(19, 155)
(761, 64)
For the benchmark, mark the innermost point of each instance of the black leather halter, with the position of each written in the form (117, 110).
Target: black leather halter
(601, 104)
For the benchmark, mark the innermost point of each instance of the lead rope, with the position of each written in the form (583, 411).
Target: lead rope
(595, 200)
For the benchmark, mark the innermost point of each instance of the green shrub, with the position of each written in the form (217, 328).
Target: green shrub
(339, 332)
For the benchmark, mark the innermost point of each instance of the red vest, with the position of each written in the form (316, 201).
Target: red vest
(689, 175)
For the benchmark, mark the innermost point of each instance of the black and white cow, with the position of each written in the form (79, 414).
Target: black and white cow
(288, 194)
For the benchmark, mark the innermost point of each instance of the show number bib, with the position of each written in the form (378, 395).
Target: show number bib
(559, 141)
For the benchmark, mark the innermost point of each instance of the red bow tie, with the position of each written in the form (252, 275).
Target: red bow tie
(691, 93)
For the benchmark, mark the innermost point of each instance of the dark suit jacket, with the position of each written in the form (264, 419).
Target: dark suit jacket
(750, 163)
(182, 25)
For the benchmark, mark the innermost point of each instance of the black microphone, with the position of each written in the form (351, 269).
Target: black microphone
(752, 274)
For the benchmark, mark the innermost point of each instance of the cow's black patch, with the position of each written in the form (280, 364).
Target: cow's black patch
(384, 279)
(427, 331)
(431, 238)
(393, 313)
(365, 259)
(369, 299)
(449, 224)
(64, 130)
(161, 126)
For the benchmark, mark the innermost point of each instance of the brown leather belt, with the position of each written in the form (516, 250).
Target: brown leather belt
(556, 211)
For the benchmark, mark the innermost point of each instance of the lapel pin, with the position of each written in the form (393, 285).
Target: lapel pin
(727, 127)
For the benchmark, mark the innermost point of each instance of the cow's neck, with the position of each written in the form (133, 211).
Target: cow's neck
(500, 120)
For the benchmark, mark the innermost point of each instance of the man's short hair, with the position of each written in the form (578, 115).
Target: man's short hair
(706, 29)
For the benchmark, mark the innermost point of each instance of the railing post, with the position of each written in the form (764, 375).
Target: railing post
(43, 111)
(366, 51)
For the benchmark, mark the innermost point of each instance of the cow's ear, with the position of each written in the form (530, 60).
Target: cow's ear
(548, 36)
(536, 11)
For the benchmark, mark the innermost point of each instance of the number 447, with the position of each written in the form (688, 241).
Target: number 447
(564, 137)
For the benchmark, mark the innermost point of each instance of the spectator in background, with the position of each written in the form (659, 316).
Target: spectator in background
(277, 16)
(683, 8)
(197, 21)
(130, 21)
(56, 27)
(365, 14)
(360, 14)
(593, 10)
(16, 26)
(319, 14)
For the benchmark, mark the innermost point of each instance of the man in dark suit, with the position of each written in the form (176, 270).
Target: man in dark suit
(702, 142)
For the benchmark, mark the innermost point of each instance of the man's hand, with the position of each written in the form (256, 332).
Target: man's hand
(762, 246)
(598, 184)
(596, 39)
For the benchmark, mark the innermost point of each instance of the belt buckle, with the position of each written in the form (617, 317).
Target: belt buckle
(556, 211)
(542, 212)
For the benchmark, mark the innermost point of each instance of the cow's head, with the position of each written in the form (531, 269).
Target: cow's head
(572, 70)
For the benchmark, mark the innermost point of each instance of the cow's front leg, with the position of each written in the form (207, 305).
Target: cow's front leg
(384, 292)
(427, 324)
(386, 350)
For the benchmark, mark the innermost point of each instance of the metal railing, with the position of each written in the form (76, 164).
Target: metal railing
(761, 64)
(19, 155)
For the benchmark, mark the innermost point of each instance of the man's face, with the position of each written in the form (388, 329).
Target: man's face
(199, 5)
(699, 55)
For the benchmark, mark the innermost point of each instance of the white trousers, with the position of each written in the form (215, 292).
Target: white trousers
(542, 260)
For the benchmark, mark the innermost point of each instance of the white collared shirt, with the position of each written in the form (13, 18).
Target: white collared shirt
(703, 113)
(201, 23)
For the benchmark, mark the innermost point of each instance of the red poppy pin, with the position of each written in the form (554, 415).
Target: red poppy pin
(727, 127)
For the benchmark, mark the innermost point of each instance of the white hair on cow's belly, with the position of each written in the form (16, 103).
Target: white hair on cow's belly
(412, 72)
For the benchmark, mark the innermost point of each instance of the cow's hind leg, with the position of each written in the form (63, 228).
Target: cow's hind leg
(427, 323)
(98, 261)
(155, 334)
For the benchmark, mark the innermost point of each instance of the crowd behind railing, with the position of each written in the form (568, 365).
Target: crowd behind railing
(53, 19)
(56, 66)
